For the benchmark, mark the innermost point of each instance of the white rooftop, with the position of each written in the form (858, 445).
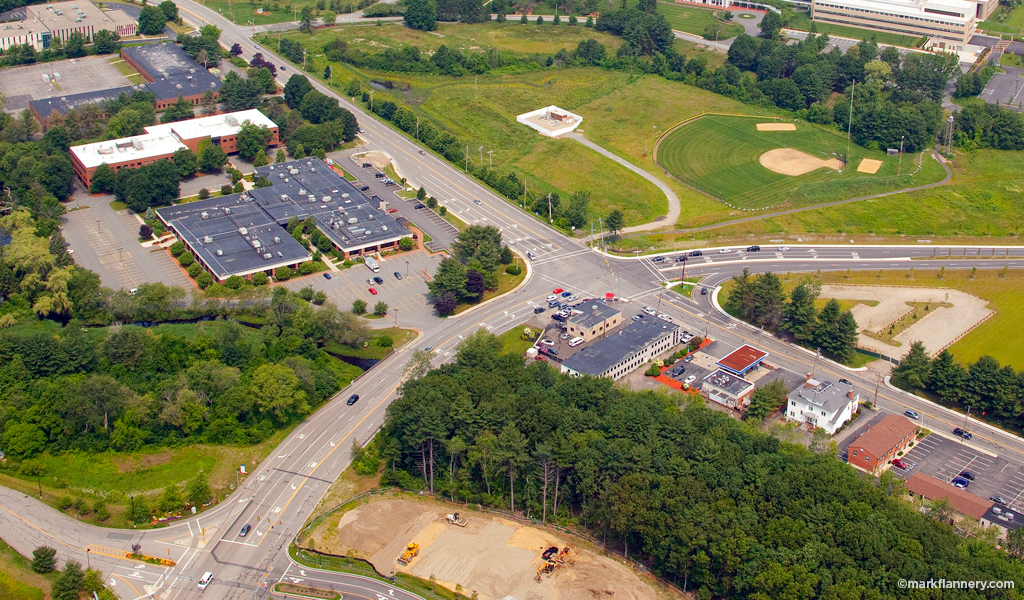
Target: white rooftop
(912, 8)
(213, 126)
(139, 147)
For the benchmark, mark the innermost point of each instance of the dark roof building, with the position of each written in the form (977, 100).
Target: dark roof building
(307, 188)
(230, 235)
(624, 350)
(42, 109)
(742, 359)
(592, 318)
(170, 73)
(727, 389)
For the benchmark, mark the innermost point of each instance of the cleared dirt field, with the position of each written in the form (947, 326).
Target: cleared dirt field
(493, 556)
(789, 161)
(776, 127)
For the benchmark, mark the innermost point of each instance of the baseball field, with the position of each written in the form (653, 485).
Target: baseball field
(752, 162)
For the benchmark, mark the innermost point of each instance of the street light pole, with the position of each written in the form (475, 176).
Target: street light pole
(407, 269)
(899, 168)
(133, 510)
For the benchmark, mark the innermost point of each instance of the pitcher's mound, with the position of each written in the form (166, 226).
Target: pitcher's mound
(789, 161)
(869, 165)
(776, 127)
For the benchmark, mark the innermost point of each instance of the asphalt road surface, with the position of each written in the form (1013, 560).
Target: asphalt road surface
(281, 493)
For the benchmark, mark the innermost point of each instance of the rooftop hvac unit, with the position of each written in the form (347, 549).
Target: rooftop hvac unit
(357, 231)
(178, 86)
(280, 175)
(137, 144)
(46, 78)
(280, 255)
(286, 180)
(326, 198)
(268, 256)
(105, 150)
(192, 70)
(309, 163)
(230, 119)
(284, 196)
(383, 227)
(56, 76)
(344, 195)
(256, 244)
(243, 231)
(277, 240)
(220, 252)
(352, 220)
(207, 240)
(204, 215)
(294, 171)
(227, 210)
(188, 78)
(303, 192)
(371, 218)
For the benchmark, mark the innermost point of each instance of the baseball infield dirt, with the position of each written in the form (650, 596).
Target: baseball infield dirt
(790, 161)
(495, 557)
(776, 127)
(869, 165)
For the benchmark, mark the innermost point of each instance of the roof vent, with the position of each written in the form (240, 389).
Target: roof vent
(268, 256)
(220, 252)
(227, 210)
(208, 240)
(383, 227)
(256, 244)
(280, 255)
(137, 144)
(230, 119)
(204, 215)
(352, 220)
(277, 240)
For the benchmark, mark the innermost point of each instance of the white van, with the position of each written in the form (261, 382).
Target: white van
(575, 342)
(205, 581)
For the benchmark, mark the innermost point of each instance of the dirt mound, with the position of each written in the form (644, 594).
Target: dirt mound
(869, 165)
(776, 127)
(368, 529)
(790, 161)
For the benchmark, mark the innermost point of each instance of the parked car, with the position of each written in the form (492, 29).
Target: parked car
(689, 358)
(547, 342)
(637, 317)
(648, 310)
(557, 290)
(327, 276)
(690, 379)
(753, 248)
(998, 500)
(966, 435)
(373, 292)
(658, 259)
(398, 276)
(566, 294)
(245, 530)
(369, 282)
(538, 310)
(558, 317)
(352, 399)
(571, 298)
(553, 304)
(899, 464)
(378, 280)
(420, 205)
(913, 414)
(564, 336)
(392, 211)
(960, 482)
(379, 175)
(552, 298)
(665, 318)
(967, 475)
(696, 253)
(363, 188)
(551, 351)
(541, 358)
(367, 165)
(687, 337)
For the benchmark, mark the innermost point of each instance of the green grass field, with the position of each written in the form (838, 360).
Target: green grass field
(729, 167)
(17, 579)
(513, 341)
(802, 21)
(1005, 20)
(693, 20)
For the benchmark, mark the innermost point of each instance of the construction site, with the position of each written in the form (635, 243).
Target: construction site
(493, 556)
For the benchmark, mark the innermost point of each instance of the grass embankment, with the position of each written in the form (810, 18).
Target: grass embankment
(731, 170)
(506, 283)
(399, 336)
(694, 20)
(1005, 20)
(513, 341)
(17, 579)
(802, 21)
(686, 290)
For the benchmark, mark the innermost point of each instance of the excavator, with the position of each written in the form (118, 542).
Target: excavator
(411, 550)
(553, 558)
(455, 520)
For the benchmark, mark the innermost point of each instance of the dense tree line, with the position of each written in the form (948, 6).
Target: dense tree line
(476, 257)
(701, 499)
(205, 47)
(991, 390)
(760, 299)
(983, 125)
(76, 46)
(326, 124)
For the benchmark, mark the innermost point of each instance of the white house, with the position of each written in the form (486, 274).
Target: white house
(823, 404)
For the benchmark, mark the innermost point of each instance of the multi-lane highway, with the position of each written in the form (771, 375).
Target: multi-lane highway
(282, 492)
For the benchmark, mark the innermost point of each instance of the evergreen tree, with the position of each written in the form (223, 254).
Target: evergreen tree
(44, 559)
(799, 315)
(912, 372)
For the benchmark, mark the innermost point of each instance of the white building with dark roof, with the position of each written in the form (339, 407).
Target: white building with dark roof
(727, 389)
(822, 404)
(623, 351)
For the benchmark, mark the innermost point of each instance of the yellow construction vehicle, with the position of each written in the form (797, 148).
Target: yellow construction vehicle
(411, 550)
(547, 567)
(553, 558)
(455, 520)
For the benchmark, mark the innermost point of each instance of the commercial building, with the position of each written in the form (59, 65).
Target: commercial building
(727, 389)
(44, 23)
(44, 109)
(232, 235)
(742, 359)
(822, 404)
(244, 234)
(961, 501)
(624, 350)
(882, 442)
(170, 73)
(592, 319)
(162, 141)
(951, 21)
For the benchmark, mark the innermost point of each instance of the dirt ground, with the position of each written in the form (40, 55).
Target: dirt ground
(493, 556)
(789, 161)
(869, 165)
(938, 330)
(776, 127)
(377, 159)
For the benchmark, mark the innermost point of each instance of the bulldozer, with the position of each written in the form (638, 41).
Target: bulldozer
(411, 550)
(553, 558)
(455, 520)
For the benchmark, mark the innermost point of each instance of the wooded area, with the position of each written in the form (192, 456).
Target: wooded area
(705, 501)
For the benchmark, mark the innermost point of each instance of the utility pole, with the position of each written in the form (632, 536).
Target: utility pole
(490, 157)
(877, 382)
(467, 158)
(899, 168)
(481, 155)
(550, 220)
(417, 128)
(967, 416)
(849, 123)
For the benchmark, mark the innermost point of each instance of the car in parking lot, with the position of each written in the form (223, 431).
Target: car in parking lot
(369, 282)
(327, 276)
(689, 358)
(690, 379)
(637, 317)
(557, 290)
(552, 298)
(538, 310)
(899, 464)
(658, 259)
(551, 351)
(566, 294)
(558, 317)
(547, 342)
(420, 205)
(245, 530)
(648, 310)
(571, 298)
(379, 175)
(696, 253)
(960, 482)
(541, 358)
(363, 188)
(676, 372)
(913, 414)
(967, 475)
(553, 304)
(392, 211)
(398, 276)
(378, 280)
(687, 337)
(352, 399)
(665, 318)
(998, 500)
(373, 291)
(960, 433)
(564, 336)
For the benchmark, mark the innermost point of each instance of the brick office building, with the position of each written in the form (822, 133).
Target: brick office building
(882, 443)
(170, 72)
(162, 141)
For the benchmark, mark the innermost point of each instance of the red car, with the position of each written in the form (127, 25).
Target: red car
(898, 463)
(541, 358)
(392, 211)
(373, 291)
(557, 291)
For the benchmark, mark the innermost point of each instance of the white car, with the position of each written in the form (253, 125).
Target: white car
(686, 338)
(552, 298)
(648, 310)
(564, 336)
(665, 318)
(689, 379)
(783, 248)
(477, 202)
(571, 298)
(724, 251)
(547, 342)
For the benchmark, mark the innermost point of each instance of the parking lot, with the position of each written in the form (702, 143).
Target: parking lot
(407, 296)
(74, 76)
(1005, 89)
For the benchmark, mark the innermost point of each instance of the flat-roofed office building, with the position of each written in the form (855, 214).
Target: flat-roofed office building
(951, 21)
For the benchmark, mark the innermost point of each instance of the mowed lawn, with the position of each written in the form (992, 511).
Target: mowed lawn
(693, 20)
(802, 21)
(720, 155)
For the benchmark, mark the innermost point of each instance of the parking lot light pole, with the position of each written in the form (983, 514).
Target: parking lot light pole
(967, 416)
(407, 269)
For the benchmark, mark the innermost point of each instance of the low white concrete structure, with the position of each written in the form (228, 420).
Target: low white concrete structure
(551, 120)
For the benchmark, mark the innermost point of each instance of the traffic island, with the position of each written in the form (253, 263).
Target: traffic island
(304, 591)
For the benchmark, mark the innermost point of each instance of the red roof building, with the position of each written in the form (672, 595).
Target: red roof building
(961, 501)
(742, 359)
(882, 443)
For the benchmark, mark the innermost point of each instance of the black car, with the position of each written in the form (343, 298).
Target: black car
(658, 259)
(398, 276)
(753, 248)
(998, 500)
(962, 434)
(327, 276)
(363, 188)
(703, 291)
(696, 253)
(419, 206)
(538, 310)
(352, 399)
(967, 475)
(681, 258)
(245, 530)
(378, 280)
(551, 351)
(557, 317)
(367, 165)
